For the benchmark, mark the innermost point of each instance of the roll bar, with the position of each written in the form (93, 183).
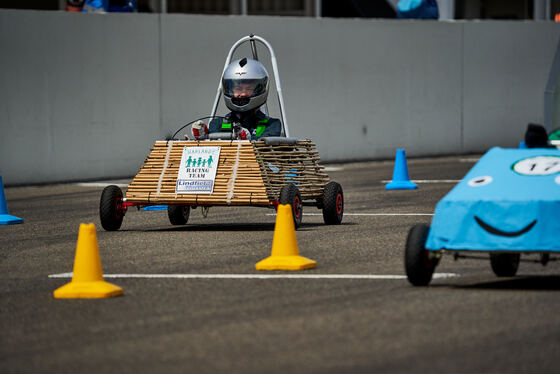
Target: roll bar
(252, 38)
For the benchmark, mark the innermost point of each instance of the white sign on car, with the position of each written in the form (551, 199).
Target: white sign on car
(197, 171)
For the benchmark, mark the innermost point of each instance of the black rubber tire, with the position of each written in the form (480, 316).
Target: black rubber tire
(333, 204)
(418, 265)
(178, 214)
(289, 194)
(110, 212)
(505, 264)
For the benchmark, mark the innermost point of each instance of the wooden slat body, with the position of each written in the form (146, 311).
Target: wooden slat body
(261, 171)
(294, 163)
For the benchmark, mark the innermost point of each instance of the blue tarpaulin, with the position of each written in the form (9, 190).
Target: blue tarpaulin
(109, 6)
(510, 200)
(155, 207)
(423, 9)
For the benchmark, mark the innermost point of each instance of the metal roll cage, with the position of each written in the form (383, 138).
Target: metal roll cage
(252, 39)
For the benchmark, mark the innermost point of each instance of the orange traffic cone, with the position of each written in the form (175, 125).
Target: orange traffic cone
(285, 254)
(87, 280)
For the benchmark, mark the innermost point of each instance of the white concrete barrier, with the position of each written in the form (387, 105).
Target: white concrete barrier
(84, 96)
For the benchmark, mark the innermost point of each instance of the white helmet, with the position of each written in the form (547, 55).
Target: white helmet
(245, 85)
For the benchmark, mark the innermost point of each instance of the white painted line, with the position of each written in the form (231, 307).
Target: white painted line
(366, 214)
(429, 181)
(61, 275)
(257, 276)
(375, 214)
(472, 159)
(333, 168)
(101, 184)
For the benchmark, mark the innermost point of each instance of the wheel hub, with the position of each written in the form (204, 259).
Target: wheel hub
(339, 204)
(297, 207)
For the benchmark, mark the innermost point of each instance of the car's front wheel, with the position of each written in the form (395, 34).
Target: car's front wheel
(111, 212)
(289, 194)
(418, 263)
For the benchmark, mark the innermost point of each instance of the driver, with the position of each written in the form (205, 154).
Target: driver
(245, 88)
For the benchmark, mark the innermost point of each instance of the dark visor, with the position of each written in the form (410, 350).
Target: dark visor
(244, 87)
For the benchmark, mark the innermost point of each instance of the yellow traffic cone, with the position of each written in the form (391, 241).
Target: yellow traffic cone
(87, 280)
(285, 254)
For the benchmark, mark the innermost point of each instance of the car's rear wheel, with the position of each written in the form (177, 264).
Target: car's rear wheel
(178, 214)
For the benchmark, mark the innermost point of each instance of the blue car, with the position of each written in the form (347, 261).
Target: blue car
(508, 204)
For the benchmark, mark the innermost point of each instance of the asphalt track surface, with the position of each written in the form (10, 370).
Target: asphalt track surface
(469, 323)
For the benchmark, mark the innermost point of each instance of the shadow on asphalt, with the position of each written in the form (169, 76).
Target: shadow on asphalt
(231, 227)
(533, 283)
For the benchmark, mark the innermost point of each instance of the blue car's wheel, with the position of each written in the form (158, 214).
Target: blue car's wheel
(505, 264)
(419, 266)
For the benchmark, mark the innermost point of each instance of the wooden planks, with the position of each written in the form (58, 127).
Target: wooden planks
(248, 173)
(155, 182)
(291, 163)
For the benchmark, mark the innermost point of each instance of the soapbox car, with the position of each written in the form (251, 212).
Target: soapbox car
(508, 204)
(226, 171)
